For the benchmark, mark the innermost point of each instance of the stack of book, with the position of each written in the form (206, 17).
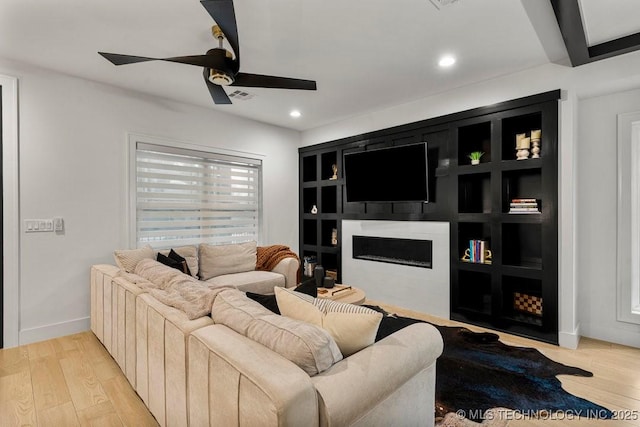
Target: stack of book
(479, 252)
(524, 206)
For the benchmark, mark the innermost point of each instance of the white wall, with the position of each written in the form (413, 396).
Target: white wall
(603, 77)
(597, 195)
(73, 164)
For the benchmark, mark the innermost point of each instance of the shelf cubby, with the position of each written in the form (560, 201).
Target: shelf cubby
(310, 168)
(327, 227)
(475, 137)
(512, 126)
(328, 196)
(472, 231)
(309, 199)
(529, 289)
(329, 260)
(327, 160)
(521, 184)
(474, 292)
(309, 227)
(474, 193)
(522, 245)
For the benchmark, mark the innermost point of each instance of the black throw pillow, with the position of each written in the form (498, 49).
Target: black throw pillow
(308, 287)
(183, 262)
(169, 262)
(269, 301)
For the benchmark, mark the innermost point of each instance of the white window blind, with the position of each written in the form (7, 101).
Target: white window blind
(187, 197)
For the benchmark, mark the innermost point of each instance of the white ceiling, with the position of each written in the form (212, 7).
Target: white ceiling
(365, 55)
(608, 20)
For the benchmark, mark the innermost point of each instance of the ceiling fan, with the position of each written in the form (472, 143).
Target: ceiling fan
(220, 66)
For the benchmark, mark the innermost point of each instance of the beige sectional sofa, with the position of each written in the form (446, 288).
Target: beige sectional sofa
(194, 372)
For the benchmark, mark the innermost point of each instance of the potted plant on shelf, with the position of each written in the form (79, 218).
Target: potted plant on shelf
(475, 157)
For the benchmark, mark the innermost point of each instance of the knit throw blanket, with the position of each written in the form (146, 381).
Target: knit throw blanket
(269, 256)
(174, 288)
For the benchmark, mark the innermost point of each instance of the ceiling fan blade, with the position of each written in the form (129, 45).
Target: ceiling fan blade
(218, 94)
(117, 59)
(224, 14)
(258, 80)
(197, 60)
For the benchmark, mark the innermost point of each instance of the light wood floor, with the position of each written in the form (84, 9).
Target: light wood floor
(68, 381)
(73, 381)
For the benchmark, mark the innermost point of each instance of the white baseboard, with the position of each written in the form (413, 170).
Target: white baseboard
(55, 330)
(569, 340)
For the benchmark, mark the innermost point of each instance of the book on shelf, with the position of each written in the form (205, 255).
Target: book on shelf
(478, 252)
(524, 206)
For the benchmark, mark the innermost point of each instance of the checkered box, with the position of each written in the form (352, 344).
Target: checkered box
(527, 303)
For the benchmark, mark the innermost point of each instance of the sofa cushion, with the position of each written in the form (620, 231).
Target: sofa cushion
(269, 301)
(306, 345)
(353, 327)
(260, 282)
(190, 255)
(127, 259)
(217, 260)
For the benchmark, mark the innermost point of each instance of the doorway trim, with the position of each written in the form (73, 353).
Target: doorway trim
(10, 212)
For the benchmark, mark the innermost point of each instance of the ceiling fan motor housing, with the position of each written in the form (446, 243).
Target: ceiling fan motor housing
(223, 69)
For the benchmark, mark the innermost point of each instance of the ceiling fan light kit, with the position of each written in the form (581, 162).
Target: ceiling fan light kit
(220, 78)
(220, 68)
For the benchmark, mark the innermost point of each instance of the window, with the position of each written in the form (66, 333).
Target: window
(629, 217)
(187, 197)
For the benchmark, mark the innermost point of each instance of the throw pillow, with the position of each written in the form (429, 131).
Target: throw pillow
(307, 287)
(127, 259)
(306, 345)
(173, 263)
(353, 327)
(216, 260)
(189, 253)
(181, 260)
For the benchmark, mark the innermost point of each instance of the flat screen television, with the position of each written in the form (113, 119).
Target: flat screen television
(393, 174)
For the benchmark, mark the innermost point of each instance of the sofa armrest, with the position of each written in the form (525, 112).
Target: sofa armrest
(288, 267)
(233, 379)
(355, 386)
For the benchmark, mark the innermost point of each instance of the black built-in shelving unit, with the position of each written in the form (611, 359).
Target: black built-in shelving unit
(474, 199)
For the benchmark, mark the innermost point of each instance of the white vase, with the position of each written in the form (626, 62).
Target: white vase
(475, 161)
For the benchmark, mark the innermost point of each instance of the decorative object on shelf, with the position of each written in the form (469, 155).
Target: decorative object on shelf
(334, 167)
(309, 265)
(475, 157)
(332, 273)
(522, 148)
(524, 206)
(328, 283)
(334, 237)
(318, 274)
(477, 252)
(527, 303)
(314, 209)
(535, 141)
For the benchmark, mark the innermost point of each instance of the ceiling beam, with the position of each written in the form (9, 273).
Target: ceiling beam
(570, 22)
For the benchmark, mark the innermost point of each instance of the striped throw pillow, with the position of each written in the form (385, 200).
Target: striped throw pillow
(353, 327)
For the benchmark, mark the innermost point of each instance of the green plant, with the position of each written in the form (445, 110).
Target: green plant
(475, 155)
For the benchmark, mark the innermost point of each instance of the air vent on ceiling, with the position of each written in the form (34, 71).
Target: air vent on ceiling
(241, 95)
(442, 3)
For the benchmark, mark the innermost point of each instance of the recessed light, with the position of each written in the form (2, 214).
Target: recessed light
(295, 114)
(447, 61)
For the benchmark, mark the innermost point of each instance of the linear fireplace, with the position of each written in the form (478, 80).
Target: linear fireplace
(386, 260)
(412, 252)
